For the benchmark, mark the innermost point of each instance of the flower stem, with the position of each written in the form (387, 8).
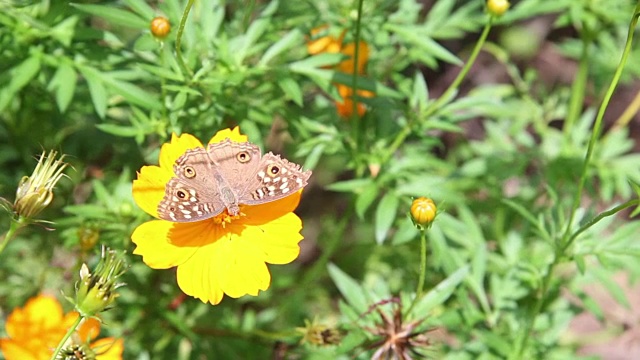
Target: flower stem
(71, 330)
(579, 85)
(183, 21)
(13, 229)
(567, 237)
(423, 268)
(436, 105)
(597, 127)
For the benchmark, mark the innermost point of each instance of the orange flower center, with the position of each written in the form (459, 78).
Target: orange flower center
(224, 218)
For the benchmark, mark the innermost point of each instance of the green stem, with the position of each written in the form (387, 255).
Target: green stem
(356, 123)
(567, 237)
(436, 105)
(71, 330)
(423, 269)
(13, 229)
(597, 127)
(601, 216)
(183, 21)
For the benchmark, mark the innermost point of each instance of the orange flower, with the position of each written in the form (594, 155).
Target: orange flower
(221, 255)
(329, 44)
(37, 328)
(348, 66)
(345, 107)
(324, 44)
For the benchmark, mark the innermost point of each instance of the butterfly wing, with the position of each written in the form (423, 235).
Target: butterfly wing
(192, 194)
(274, 178)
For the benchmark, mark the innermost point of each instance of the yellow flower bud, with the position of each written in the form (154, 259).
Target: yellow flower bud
(160, 27)
(497, 7)
(423, 211)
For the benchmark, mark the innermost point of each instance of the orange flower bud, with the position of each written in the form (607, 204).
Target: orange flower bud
(497, 7)
(160, 27)
(423, 211)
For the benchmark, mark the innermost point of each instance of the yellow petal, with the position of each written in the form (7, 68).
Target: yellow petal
(149, 187)
(15, 351)
(158, 249)
(88, 329)
(43, 310)
(245, 271)
(276, 240)
(170, 152)
(199, 275)
(232, 134)
(349, 66)
(108, 348)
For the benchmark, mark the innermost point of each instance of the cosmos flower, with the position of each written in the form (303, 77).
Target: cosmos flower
(221, 255)
(37, 328)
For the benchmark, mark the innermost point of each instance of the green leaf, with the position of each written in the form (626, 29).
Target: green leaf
(141, 7)
(349, 288)
(119, 130)
(133, 93)
(365, 198)
(23, 73)
(291, 88)
(115, 16)
(96, 89)
(440, 293)
(385, 215)
(64, 83)
(354, 185)
(64, 30)
(420, 95)
(313, 63)
(293, 37)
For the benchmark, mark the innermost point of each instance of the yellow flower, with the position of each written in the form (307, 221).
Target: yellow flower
(222, 255)
(35, 330)
(160, 27)
(497, 7)
(423, 211)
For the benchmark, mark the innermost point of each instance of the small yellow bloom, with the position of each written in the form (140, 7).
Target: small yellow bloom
(34, 193)
(37, 328)
(221, 255)
(497, 7)
(349, 66)
(160, 27)
(423, 211)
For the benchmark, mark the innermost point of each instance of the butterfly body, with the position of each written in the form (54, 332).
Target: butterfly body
(224, 176)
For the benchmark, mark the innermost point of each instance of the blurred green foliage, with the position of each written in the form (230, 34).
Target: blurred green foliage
(502, 159)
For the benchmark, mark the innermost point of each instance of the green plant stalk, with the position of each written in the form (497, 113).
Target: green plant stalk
(356, 56)
(423, 269)
(567, 238)
(435, 106)
(601, 216)
(70, 332)
(356, 123)
(598, 126)
(183, 21)
(578, 87)
(13, 229)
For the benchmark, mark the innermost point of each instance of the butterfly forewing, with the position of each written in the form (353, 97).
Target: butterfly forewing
(192, 194)
(274, 178)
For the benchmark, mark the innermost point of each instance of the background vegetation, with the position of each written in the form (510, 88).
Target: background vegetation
(524, 248)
